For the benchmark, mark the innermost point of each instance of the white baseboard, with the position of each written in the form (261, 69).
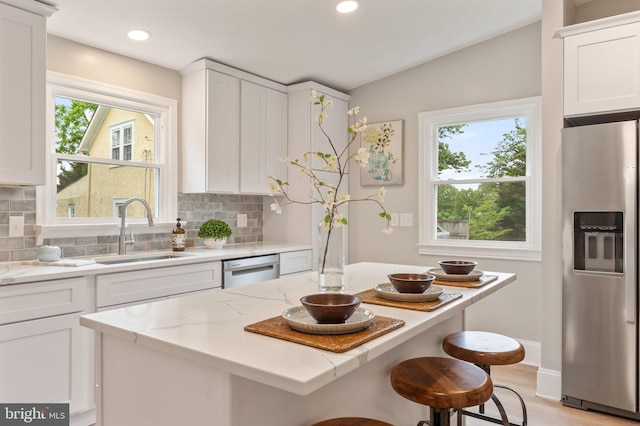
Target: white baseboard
(549, 384)
(532, 352)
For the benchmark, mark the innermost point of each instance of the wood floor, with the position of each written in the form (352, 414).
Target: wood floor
(540, 411)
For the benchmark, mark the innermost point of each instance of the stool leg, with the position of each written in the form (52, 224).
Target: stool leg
(524, 408)
(440, 417)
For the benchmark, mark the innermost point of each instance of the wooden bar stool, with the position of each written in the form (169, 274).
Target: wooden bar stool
(443, 384)
(351, 421)
(485, 349)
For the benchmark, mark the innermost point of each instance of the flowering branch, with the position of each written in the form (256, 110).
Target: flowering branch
(321, 192)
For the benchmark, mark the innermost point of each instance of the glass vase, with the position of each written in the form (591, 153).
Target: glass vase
(332, 248)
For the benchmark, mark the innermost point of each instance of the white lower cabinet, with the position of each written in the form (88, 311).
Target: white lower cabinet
(140, 286)
(43, 347)
(295, 262)
(47, 357)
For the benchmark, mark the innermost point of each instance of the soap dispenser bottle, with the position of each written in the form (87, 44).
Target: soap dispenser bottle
(178, 237)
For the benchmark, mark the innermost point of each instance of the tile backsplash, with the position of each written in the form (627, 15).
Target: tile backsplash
(193, 209)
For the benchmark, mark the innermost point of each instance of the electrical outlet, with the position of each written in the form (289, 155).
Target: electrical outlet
(395, 219)
(406, 219)
(16, 226)
(242, 221)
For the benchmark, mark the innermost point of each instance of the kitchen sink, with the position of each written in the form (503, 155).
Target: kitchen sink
(129, 259)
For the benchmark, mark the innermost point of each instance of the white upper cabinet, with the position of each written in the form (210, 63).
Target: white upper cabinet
(304, 133)
(234, 129)
(22, 92)
(602, 66)
(263, 136)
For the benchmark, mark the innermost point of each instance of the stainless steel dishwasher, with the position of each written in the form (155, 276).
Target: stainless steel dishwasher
(248, 270)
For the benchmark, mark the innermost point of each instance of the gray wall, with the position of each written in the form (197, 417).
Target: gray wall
(506, 67)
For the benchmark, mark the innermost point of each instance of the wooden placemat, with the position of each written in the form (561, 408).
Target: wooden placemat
(278, 328)
(370, 296)
(485, 279)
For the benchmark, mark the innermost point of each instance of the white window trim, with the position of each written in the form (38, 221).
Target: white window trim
(428, 122)
(166, 109)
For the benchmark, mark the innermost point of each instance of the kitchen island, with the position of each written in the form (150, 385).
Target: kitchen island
(189, 361)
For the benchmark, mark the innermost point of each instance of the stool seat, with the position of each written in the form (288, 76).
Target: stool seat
(351, 421)
(441, 382)
(483, 348)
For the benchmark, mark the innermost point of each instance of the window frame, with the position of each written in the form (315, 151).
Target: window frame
(48, 225)
(428, 122)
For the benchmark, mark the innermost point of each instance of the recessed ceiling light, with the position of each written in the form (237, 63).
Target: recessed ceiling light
(139, 35)
(347, 6)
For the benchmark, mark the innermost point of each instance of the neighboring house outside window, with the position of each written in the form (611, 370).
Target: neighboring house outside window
(108, 144)
(71, 210)
(480, 180)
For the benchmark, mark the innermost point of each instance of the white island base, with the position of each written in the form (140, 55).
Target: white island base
(188, 361)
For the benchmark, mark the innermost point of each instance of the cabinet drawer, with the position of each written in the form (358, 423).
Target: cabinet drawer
(22, 302)
(126, 287)
(292, 262)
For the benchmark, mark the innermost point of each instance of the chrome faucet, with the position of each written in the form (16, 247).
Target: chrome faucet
(122, 240)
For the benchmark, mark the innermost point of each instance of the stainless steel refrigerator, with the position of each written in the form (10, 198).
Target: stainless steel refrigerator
(600, 268)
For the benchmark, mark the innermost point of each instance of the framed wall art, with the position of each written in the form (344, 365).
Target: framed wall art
(384, 143)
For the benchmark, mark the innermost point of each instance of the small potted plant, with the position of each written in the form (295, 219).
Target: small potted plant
(214, 233)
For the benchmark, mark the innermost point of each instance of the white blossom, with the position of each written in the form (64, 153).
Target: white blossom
(275, 206)
(322, 117)
(272, 188)
(329, 205)
(382, 193)
(332, 164)
(313, 94)
(337, 220)
(328, 103)
(354, 111)
(343, 198)
(362, 157)
(388, 230)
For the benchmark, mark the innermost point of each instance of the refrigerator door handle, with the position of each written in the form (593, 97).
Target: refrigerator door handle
(629, 244)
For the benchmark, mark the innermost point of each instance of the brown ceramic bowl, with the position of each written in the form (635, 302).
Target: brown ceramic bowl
(411, 283)
(331, 308)
(457, 267)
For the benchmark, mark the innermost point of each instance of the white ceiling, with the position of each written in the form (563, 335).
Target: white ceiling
(289, 41)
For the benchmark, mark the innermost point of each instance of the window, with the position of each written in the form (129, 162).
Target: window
(106, 144)
(480, 180)
(122, 141)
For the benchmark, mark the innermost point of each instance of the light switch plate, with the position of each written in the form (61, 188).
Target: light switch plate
(242, 220)
(16, 226)
(406, 219)
(395, 219)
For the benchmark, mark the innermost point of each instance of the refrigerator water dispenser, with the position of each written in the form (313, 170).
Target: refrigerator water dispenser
(598, 241)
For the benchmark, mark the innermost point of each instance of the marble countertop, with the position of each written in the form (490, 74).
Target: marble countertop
(208, 328)
(26, 272)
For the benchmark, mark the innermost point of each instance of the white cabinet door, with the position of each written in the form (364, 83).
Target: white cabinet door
(263, 133)
(41, 361)
(602, 71)
(294, 262)
(223, 127)
(253, 137)
(22, 96)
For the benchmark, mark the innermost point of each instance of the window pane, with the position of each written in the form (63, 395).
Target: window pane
(483, 149)
(486, 211)
(94, 189)
(93, 130)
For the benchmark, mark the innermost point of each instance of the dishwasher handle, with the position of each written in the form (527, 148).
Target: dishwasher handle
(251, 263)
(251, 268)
